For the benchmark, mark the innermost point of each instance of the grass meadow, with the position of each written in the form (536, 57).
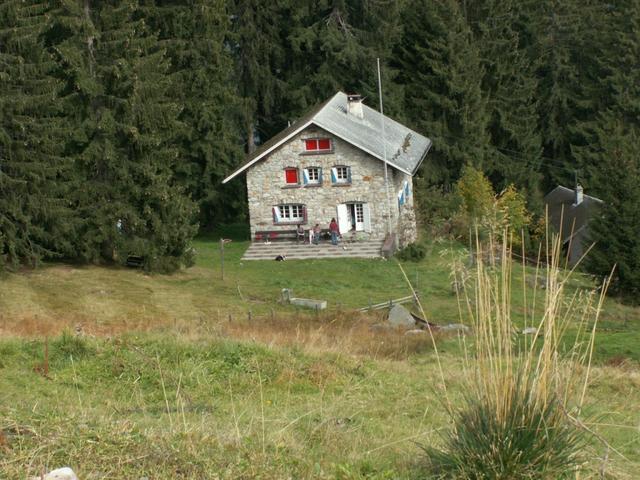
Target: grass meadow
(120, 374)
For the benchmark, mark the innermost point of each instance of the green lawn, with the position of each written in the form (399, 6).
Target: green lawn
(99, 298)
(180, 382)
(164, 408)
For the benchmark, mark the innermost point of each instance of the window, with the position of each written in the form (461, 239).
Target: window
(317, 145)
(312, 176)
(341, 174)
(290, 213)
(291, 176)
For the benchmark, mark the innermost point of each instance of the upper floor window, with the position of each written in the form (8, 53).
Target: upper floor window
(317, 145)
(312, 176)
(341, 174)
(290, 213)
(291, 176)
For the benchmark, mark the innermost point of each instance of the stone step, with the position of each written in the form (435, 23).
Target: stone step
(295, 251)
(313, 257)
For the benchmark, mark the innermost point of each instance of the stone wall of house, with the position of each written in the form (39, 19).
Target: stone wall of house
(267, 188)
(406, 227)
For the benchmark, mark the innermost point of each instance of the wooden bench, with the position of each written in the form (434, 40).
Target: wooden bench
(276, 235)
(135, 261)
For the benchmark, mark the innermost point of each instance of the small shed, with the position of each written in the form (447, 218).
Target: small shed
(570, 211)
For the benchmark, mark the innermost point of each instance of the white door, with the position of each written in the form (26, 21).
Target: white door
(367, 217)
(343, 218)
(358, 211)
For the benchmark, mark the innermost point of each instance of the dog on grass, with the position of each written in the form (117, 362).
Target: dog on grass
(280, 258)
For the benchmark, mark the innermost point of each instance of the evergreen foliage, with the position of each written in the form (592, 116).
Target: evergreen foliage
(509, 84)
(615, 229)
(201, 75)
(119, 118)
(440, 70)
(32, 207)
(128, 201)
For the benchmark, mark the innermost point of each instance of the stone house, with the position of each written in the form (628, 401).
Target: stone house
(331, 164)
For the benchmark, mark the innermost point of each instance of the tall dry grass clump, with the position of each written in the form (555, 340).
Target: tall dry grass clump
(518, 418)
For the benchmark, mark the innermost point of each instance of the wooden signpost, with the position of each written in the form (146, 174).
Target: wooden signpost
(222, 242)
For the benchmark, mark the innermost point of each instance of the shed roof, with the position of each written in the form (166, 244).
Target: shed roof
(405, 149)
(567, 217)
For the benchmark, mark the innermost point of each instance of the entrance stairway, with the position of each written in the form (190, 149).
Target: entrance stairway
(303, 251)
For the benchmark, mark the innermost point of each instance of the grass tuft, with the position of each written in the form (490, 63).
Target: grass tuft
(519, 417)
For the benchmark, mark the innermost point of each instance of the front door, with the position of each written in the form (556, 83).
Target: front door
(354, 217)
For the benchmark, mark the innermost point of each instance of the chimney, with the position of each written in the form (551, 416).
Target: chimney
(579, 195)
(354, 106)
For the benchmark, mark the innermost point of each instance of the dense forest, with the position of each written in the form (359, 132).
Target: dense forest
(119, 118)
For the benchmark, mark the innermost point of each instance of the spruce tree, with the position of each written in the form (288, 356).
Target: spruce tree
(129, 202)
(568, 46)
(613, 156)
(441, 74)
(33, 214)
(509, 84)
(615, 229)
(257, 39)
(333, 45)
(195, 37)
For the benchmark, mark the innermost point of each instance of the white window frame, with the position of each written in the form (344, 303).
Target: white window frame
(341, 174)
(311, 172)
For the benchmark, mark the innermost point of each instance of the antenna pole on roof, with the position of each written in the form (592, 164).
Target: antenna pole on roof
(384, 150)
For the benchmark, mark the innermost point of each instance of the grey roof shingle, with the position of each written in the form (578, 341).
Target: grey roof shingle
(405, 149)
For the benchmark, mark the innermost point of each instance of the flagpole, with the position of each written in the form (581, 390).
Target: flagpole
(384, 150)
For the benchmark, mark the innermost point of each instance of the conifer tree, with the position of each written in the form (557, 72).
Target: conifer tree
(441, 74)
(615, 229)
(509, 84)
(195, 37)
(569, 88)
(258, 33)
(613, 156)
(129, 201)
(333, 45)
(33, 214)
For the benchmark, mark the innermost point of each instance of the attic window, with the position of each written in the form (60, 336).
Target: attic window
(291, 176)
(317, 145)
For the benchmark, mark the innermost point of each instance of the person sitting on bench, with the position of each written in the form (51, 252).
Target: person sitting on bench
(300, 233)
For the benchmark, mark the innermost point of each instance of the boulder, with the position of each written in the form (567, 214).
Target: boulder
(401, 317)
(64, 473)
(415, 331)
(455, 327)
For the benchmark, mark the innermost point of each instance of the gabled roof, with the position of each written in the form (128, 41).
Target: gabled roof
(405, 149)
(567, 217)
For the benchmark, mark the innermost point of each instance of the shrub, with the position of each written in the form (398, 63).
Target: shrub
(485, 214)
(413, 252)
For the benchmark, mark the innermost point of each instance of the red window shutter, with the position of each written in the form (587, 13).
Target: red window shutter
(324, 144)
(311, 144)
(291, 175)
